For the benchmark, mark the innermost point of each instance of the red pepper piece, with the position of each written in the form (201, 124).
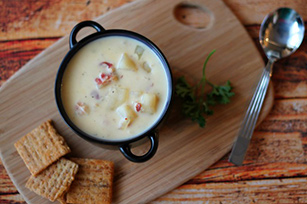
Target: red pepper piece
(138, 107)
(109, 65)
(98, 81)
(105, 77)
(102, 75)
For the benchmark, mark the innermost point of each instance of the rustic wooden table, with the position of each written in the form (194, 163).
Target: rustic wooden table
(275, 169)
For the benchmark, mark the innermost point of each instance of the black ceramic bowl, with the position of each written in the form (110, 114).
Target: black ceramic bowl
(123, 145)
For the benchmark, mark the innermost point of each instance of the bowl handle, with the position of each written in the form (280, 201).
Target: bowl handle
(126, 150)
(79, 26)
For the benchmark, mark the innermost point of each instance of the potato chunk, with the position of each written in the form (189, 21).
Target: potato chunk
(127, 63)
(149, 103)
(127, 115)
(116, 97)
(146, 67)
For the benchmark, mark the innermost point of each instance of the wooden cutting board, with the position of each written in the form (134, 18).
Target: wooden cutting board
(185, 149)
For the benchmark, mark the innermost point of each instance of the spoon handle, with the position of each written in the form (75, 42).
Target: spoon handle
(241, 144)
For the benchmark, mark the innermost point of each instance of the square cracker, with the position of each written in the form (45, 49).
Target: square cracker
(41, 147)
(93, 183)
(55, 180)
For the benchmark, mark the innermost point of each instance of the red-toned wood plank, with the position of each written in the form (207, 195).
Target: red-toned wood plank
(14, 54)
(250, 172)
(41, 18)
(266, 191)
(284, 125)
(8, 192)
(270, 155)
(290, 75)
(6, 183)
(287, 108)
(11, 199)
(35, 19)
(253, 12)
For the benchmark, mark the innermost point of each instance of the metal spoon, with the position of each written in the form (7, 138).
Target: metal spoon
(281, 33)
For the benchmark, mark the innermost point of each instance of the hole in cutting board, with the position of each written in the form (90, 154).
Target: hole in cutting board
(193, 15)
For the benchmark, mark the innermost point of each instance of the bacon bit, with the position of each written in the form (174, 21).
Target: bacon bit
(138, 107)
(102, 75)
(126, 118)
(107, 76)
(81, 108)
(109, 65)
(98, 81)
(104, 79)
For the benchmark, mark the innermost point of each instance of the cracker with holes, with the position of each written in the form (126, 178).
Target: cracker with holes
(53, 182)
(41, 147)
(93, 183)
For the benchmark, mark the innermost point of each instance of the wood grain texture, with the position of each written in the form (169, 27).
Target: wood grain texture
(274, 154)
(252, 12)
(283, 107)
(290, 75)
(259, 191)
(278, 150)
(182, 48)
(31, 17)
(16, 53)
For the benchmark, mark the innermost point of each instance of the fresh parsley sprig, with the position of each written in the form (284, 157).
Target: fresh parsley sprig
(196, 103)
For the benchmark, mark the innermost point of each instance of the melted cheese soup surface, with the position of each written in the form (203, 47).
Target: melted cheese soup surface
(114, 88)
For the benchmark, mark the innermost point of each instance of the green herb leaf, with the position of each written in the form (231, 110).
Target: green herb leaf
(191, 110)
(184, 90)
(196, 106)
(206, 109)
(220, 94)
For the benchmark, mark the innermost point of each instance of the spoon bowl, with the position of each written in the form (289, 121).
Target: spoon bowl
(281, 34)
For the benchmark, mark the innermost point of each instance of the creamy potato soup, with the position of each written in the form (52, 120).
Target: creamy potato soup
(114, 88)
